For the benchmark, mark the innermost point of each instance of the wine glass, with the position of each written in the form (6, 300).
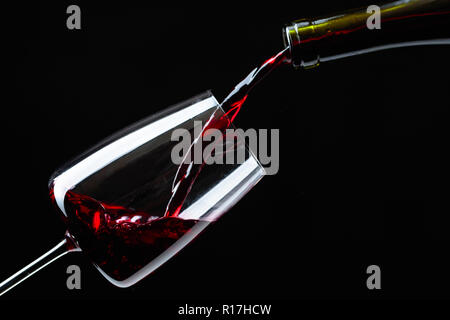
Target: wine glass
(114, 198)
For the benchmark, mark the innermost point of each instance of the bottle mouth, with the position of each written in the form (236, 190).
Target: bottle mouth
(287, 42)
(301, 54)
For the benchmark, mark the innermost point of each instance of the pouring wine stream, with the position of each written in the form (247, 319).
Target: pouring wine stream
(188, 170)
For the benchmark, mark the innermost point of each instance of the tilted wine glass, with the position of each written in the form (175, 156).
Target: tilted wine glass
(114, 197)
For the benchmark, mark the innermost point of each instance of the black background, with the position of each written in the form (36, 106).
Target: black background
(364, 166)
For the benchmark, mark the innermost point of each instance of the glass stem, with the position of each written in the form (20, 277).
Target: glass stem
(53, 254)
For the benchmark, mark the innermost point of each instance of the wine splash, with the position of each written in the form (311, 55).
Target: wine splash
(121, 241)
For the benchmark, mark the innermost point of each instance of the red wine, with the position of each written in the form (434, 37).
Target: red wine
(122, 241)
(188, 171)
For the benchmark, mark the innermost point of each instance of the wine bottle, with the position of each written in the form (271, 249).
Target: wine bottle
(400, 24)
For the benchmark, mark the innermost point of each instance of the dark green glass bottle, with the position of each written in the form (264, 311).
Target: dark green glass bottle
(401, 23)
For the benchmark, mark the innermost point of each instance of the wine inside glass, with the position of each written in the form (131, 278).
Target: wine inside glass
(114, 197)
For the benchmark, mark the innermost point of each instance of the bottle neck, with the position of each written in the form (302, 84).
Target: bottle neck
(401, 23)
